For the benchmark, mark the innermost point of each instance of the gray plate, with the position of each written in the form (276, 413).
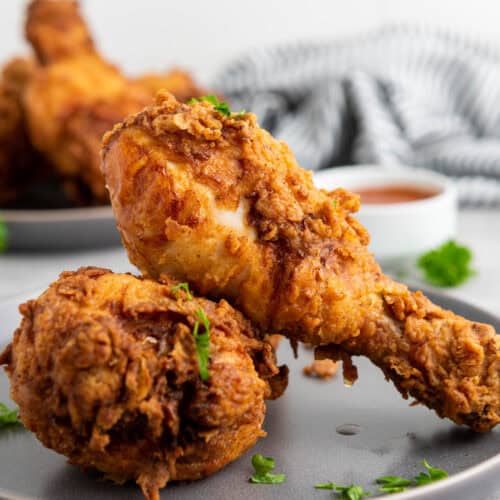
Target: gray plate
(58, 229)
(302, 437)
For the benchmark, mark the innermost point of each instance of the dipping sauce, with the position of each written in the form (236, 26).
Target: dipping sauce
(378, 195)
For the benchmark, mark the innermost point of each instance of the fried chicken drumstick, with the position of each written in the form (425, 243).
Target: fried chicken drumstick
(105, 371)
(18, 159)
(215, 200)
(77, 96)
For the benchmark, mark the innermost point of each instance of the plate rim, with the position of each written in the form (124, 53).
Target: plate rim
(57, 214)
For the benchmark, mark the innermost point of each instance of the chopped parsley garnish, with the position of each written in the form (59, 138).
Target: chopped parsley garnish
(393, 484)
(325, 486)
(3, 236)
(220, 106)
(431, 476)
(352, 492)
(182, 286)
(8, 417)
(335, 203)
(448, 265)
(202, 341)
(263, 471)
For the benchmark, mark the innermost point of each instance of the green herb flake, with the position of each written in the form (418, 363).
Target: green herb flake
(8, 417)
(325, 486)
(182, 286)
(263, 471)
(202, 341)
(393, 484)
(220, 106)
(3, 236)
(448, 265)
(431, 476)
(352, 492)
(335, 203)
(240, 114)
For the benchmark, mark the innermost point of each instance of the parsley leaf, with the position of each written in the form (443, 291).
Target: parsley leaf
(325, 486)
(181, 286)
(392, 484)
(263, 467)
(3, 236)
(221, 107)
(353, 492)
(448, 265)
(202, 341)
(8, 417)
(432, 476)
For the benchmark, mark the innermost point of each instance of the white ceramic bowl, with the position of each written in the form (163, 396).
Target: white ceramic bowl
(399, 230)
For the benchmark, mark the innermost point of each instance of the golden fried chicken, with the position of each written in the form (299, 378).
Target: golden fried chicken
(18, 160)
(104, 368)
(217, 201)
(77, 95)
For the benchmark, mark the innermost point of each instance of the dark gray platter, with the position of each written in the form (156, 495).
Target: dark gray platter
(61, 228)
(302, 436)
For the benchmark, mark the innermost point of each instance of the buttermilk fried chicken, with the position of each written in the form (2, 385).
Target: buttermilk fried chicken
(18, 160)
(217, 201)
(104, 369)
(77, 96)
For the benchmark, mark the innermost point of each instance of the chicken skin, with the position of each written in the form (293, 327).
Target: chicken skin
(77, 96)
(105, 371)
(217, 201)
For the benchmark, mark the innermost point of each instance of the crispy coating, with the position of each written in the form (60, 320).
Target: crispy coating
(324, 369)
(18, 160)
(77, 95)
(219, 202)
(57, 31)
(104, 370)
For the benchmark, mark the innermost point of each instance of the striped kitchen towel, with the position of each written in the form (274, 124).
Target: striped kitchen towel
(400, 95)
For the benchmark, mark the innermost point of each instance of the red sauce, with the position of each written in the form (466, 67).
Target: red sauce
(393, 194)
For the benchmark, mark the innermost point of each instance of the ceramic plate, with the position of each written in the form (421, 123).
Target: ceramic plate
(393, 438)
(59, 229)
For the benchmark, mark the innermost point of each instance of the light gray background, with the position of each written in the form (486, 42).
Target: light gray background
(202, 35)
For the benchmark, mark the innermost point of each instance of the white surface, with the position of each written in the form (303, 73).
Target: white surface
(400, 229)
(154, 34)
(479, 229)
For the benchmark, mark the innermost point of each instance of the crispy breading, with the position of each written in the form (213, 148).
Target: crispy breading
(324, 369)
(18, 160)
(217, 201)
(104, 370)
(77, 95)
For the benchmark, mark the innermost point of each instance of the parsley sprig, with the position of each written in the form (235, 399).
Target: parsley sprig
(431, 476)
(8, 416)
(352, 492)
(202, 341)
(396, 484)
(182, 286)
(388, 484)
(447, 266)
(393, 484)
(3, 236)
(220, 106)
(263, 471)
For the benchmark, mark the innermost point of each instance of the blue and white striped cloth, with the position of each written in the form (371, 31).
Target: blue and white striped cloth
(401, 95)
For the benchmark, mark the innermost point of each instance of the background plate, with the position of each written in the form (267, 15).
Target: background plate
(302, 437)
(60, 229)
